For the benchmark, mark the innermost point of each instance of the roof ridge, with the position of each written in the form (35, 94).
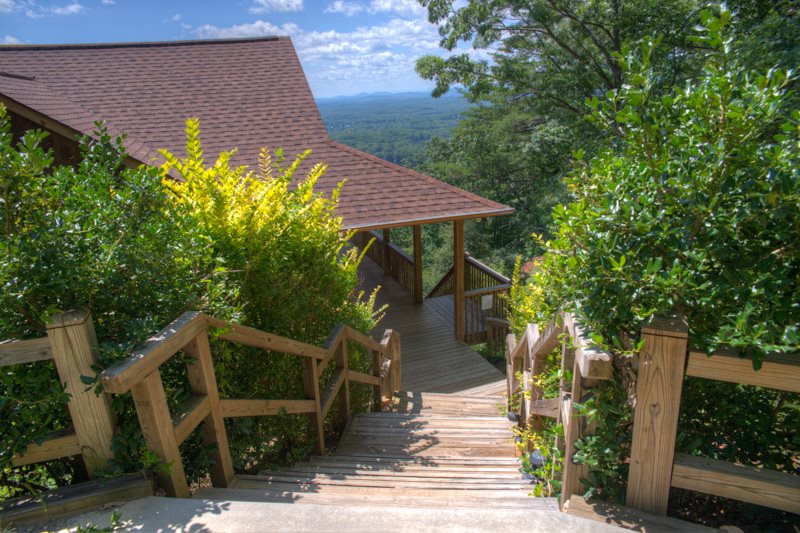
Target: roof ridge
(143, 44)
(430, 179)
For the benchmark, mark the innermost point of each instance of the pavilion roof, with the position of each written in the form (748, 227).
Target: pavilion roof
(248, 94)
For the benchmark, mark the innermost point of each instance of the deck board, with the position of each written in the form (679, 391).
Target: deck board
(433, 360)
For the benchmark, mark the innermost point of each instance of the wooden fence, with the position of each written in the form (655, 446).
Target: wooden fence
(164, 431)
(526, 356)
(663, 362)
(71, 344)
(485, 298)
(391, 258)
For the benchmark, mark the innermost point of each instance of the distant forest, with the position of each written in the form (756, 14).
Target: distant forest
(396, 127)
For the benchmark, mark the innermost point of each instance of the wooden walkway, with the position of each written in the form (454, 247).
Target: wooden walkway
(432, 359)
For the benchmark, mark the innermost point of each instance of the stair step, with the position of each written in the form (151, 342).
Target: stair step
(451, 472)
(425, 451)
(403, 460)
(285, 479)
(508, 476)
(380, 498)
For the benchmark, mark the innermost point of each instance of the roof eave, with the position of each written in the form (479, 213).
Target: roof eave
(430, 220)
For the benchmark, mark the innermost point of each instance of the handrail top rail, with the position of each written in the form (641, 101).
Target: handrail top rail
(122, 376)
(402, 253)
(488, 290)
(486, 269)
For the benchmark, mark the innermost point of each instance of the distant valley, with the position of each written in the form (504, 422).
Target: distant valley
(396, 127)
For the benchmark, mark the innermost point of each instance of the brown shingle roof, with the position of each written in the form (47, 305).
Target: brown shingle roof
(248, 93)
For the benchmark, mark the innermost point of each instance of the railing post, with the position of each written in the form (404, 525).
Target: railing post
(311, 389)
(156, 424)
(387, 258)
(458, 278)
(418, 264)
(74, 344)
(204, 382)
(377, 363)
(397, 380)
(655, 422)
(344, 400)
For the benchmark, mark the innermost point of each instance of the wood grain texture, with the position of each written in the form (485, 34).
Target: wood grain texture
(120, 377)
(189, 415)
(266, 341)
(418, 294)
(655, 423)
(18, 352)
(61, 444)
(74, 344)
(311, 391)
(241, 408)
(780, 372)
(631, 519)
(156, 424)
(593, 362)
(458, 278)
(204, 382)
(769, 488)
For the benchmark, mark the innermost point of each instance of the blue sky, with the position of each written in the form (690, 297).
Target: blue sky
(345, 46)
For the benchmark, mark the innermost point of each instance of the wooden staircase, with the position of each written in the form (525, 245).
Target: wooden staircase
(426, 450)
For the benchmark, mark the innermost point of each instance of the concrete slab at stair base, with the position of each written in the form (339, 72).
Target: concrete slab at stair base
(177, 516)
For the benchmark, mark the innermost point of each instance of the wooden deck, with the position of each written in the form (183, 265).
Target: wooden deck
(432, 359)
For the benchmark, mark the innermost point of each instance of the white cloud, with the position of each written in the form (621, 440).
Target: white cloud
(276, 6)
(401, 7)
(7, 6)
(10, 39)
(346, 8)
(258, 28)
(69, 9)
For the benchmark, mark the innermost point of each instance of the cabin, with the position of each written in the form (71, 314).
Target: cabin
(249, 94)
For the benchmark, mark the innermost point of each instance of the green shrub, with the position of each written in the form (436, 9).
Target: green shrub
(137, 254)
(294, 274)
(694, 205)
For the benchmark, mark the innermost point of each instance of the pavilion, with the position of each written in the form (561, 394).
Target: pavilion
(248, 94)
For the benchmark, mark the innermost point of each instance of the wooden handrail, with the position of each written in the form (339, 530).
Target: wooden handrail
(486, 269)
(190, 333)
(503, 287)
(589, 364)
(436, 288)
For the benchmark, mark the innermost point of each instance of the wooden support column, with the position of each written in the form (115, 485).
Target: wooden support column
(387, 238)
(74, 344)
(311, 389)
(418, 264)
(458, 278)
(159, 435)
(204, 382)
(655, 421)
(344, 398)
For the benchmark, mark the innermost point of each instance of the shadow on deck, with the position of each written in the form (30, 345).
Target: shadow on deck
(432, 359)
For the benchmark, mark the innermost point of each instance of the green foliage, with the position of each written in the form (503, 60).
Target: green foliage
(694, 204)
(93, 236)
(252, 247)
(287, 259)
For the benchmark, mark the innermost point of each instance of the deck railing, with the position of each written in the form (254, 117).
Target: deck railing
(71, 344)
(525, 357)
(391, 258)
(663, 362)
(485, 299)
(164, 431)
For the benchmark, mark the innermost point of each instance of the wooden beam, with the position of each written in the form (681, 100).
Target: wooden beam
(17, 352)
(777, 371)
(156, 424)
(311, 391)
(760, 486)
(458, 278)
(189, 415)
(266, 341)
(387, 265)
(418, 296)
(61, 444)
(204, 382)
(120, 377)
(360, 377)
(74, 344)
(329, 394)
(240, 408)
(655, 421)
